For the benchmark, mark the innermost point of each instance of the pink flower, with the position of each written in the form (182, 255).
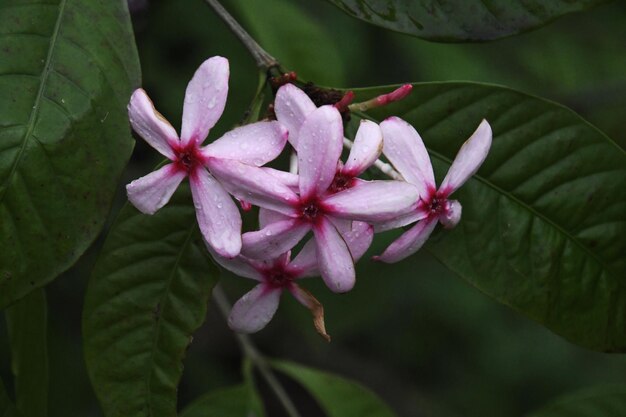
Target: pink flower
(292, 106)
(248, 146)
(319, 146)
(406, 151)
(256, 308)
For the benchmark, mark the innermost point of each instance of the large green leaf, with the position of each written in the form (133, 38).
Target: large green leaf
(544, 220)
(461, 20)
(27, 328)
(66, 72)
(603, 401)
(237, 401)
(147, 295)
(337, 396)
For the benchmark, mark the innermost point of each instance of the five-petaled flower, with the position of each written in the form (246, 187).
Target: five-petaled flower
(256, 308)
(406, 151)
(238, 151)
(319, 146)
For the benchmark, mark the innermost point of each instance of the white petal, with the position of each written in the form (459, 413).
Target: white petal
(151, 125)
(367, 147)
(205, 99)
(292, 106)
(470, 157)
(253, 144)
(451, 215)
(319, 147)
(153, 191)
(409, 243)
(334, 259)
(274, 239)
(253, 185)
(372, 201)
(255, 309)
(217, 214)
(405, 149)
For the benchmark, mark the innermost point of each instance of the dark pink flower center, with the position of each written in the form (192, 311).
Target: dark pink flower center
(435, 203)
(436, 206)
(189, 157)
(341, 182)
(277, 277)
(311, 211)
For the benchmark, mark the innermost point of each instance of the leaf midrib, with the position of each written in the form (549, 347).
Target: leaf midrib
(47, 69)
(159, 324)
(521, 203)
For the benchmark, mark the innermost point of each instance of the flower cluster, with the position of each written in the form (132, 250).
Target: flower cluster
(321, 197)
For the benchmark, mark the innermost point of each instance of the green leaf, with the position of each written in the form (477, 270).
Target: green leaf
(544, 220)
(7, 408)
(274, 23)
(227, 402)
(603, 401)
(66, 72)
(460, 20)
(27, 328)
(147, 295)
(338, 397)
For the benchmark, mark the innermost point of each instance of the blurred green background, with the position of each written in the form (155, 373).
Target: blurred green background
(425, 341)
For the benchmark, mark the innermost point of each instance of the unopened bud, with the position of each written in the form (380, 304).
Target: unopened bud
(384, 99)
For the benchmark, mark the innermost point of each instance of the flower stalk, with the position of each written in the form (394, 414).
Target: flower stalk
(257, 359)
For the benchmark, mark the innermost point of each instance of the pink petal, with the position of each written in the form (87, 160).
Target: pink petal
(238, 265)
(153, 191)
(253, 185)
(334, 258)
(292, 106)
(255, 309)
(274, 239)
(217, 214)
(358, 239)
(358, 236)
(413, 216)
(468, 160)
(287, 178)
(409, 243)
(405, 149)
(372, 201)
(305, 263)
(319, 148)
(151, 125)
(205, 99)
(452, 214)
(253, 144)
(267, 217)
(367, 147)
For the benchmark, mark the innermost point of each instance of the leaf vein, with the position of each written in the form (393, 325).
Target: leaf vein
(35, 111)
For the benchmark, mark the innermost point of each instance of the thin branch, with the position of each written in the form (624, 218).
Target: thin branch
(252, 353)
(260, 55)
